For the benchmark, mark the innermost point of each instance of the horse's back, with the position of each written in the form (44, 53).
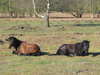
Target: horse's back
(27, 48)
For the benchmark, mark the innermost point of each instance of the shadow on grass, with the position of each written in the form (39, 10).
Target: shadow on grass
(87, 25)
(91, 53)
(46, 53)
(94, 53)
(52, 55)
(33, 54)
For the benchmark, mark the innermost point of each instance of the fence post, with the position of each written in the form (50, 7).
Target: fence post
(47, 20)
(47, 14)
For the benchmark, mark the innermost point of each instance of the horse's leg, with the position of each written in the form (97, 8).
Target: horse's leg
(18, 52)
(72, 54)
(14, 52)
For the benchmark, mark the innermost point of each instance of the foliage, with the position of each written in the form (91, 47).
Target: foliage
(77, 8)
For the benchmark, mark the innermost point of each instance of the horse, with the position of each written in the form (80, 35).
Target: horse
(22, 47)
(77, 49)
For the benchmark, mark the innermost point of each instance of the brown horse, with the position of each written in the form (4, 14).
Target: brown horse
(23, 48)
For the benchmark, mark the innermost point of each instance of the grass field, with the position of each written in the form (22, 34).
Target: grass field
(50, 39)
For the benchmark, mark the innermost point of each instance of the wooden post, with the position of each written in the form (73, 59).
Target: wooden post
(47, 15)
(9, 8)
(92, 8)
(47, 20)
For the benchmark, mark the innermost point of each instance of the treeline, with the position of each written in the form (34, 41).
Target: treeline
(25, 8)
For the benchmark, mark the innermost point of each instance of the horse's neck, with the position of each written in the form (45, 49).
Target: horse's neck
(18, 43)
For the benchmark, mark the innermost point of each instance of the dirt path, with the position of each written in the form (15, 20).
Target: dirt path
(53, 18)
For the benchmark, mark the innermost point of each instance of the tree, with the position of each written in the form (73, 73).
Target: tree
(46, 16)
(78, 7)
(59, 5)
(4, 6)
(96, 8)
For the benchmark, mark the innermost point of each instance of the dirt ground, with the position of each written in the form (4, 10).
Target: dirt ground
(60, 16)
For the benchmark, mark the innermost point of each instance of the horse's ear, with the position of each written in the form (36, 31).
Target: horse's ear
(88, 41)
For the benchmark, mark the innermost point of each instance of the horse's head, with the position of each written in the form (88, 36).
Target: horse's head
(11, 39)
(85, 46)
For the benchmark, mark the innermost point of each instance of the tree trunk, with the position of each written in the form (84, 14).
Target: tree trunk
(47, 14)
(77, 14)
(47, 21)
(46, 17)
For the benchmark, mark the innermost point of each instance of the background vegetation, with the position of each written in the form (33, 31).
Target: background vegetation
(23, 8)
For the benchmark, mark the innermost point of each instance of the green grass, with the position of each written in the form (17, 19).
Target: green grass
(49, 40)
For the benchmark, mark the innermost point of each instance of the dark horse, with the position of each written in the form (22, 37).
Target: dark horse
(22, 47)
(78, 49)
